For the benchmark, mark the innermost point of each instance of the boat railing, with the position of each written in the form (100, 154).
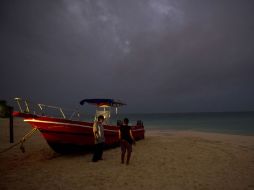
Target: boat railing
(26, 106)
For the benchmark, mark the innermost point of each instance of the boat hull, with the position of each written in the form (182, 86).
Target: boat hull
(70, 136)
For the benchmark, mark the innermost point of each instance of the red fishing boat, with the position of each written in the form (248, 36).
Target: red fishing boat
(68, 134)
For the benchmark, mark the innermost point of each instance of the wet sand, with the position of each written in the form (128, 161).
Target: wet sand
(164, 160)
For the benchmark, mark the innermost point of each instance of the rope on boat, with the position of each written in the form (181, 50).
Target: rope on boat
(23, 139)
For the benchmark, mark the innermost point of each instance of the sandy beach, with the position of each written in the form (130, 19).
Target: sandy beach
(164, 160)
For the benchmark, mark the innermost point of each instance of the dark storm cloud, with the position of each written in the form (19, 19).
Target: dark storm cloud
(158, 55)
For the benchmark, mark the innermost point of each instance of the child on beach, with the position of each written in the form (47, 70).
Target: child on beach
(99, 139)
(126, 141)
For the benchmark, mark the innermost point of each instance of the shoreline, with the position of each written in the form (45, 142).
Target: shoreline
(202, 131)
(21, 128)
(232, 138)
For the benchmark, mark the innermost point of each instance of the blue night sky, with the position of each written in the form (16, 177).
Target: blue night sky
(155, 55)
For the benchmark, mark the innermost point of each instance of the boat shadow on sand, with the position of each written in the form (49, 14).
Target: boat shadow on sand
(69, 149)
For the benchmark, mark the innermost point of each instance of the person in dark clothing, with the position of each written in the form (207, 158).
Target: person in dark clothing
(126, 141)
(99, 139)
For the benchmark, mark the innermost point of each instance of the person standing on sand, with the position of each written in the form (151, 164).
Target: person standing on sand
(126, 140)
(99, 139)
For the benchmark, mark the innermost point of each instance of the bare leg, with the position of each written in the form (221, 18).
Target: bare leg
(128, 157)
(122, 156)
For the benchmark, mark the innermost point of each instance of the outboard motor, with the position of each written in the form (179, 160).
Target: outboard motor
(139, 123)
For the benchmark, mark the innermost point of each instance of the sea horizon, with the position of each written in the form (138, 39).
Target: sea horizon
(237, 122)
(241, 123)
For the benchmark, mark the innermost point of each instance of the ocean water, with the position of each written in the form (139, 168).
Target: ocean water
(241, 123)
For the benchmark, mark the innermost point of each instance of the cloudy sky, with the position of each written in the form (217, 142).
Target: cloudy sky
(155, 55)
